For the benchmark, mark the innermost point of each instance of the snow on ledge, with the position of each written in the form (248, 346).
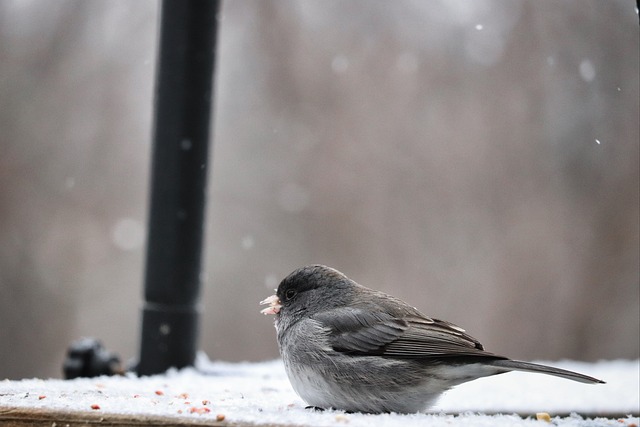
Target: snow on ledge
(259, 393)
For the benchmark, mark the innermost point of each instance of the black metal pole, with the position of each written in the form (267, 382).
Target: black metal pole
(182, 111)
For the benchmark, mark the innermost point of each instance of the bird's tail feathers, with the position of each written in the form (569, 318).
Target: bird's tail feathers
(516, 365)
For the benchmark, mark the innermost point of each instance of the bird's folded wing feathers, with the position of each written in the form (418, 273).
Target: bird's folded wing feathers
(367, 332)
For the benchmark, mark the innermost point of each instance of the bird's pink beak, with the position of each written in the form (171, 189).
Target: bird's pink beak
(274, 305)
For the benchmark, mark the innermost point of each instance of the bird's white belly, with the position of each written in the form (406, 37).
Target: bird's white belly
(362, 391)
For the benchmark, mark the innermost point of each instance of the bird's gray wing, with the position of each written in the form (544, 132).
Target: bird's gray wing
(364, 331)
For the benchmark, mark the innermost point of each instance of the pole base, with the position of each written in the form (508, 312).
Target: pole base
(169, 337)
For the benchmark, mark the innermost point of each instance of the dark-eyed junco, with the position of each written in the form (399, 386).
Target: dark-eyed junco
(349, 347)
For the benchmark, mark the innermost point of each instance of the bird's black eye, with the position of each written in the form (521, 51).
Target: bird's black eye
(290, 293)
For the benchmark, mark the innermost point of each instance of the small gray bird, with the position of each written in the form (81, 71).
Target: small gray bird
(352, 348)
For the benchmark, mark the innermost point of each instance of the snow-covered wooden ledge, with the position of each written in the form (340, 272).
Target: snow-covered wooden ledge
(259, 394)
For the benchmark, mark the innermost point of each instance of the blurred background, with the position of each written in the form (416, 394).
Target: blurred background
(479, 159)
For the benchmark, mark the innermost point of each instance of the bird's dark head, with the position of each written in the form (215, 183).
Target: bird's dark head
(309, 289)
